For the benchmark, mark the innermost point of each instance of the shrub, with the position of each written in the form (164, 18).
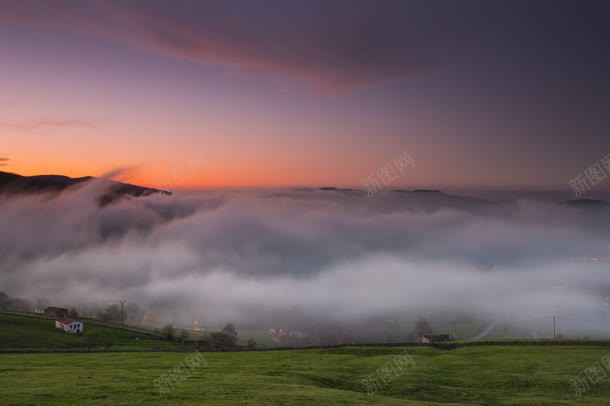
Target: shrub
(168, 332)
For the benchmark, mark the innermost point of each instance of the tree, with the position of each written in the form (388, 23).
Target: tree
(19, 305)
(113, 312)
(73, 313)
(231, 333)
(184, 336)
(251, 344)
(4, 298)
(224, 339)
(203, 342)
(168, 332)
(219, 341)
(422, 326)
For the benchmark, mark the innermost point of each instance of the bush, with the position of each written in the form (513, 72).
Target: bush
(184, 336)
(203, 342)
(225, 339)
(168, 332)
(19, 305)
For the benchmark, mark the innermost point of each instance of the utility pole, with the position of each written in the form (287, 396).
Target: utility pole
(454, 329)
(122, 317)
(554, 336)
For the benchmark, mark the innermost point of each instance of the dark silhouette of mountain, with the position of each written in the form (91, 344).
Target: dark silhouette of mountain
(60, 179)
(334, 189)
(13, 183)
(587, 204)
(7, 177)
(416, 191)
(431, 200)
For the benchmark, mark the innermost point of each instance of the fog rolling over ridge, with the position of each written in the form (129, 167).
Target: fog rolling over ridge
(252, 257)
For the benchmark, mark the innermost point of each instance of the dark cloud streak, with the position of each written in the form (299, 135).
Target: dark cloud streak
(46, 123)
(338, 45)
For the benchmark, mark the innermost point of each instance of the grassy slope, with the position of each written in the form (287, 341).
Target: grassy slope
(262, 338)
(24, 331)
(21, 331)
(511, 375)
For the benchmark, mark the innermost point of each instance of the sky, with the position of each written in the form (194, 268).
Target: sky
(273, 93)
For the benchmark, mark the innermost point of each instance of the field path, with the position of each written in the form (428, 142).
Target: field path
(487, 330)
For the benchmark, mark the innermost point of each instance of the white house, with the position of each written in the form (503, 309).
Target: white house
(69, 325)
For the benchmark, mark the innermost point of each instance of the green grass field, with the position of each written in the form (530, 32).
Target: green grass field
(488, 375)
(36, 332)
(477, 375)
(29, 331)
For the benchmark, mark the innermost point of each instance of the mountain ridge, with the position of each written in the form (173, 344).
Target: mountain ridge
(13, 183)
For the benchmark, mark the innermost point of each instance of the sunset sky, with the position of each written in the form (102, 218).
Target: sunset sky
(276, 93)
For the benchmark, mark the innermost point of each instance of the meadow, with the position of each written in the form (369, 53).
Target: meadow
(27, 332)
(485, 375)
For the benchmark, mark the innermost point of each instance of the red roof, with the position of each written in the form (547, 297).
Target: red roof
(65, 320)
(54, 309)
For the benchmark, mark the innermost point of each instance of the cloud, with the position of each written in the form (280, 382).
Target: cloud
(251, 256)
(46, 123)
(3, 161)
(338, 46)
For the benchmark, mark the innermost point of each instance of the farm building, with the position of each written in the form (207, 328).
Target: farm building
(426, 339)
(69, 325)
(55, 312)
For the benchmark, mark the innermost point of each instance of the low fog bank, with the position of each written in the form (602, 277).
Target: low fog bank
(301, 257)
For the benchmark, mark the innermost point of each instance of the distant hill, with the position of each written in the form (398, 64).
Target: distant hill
(334, 189)
(587, 204)
(24, 331)
(13, 184)
(431, 200)
(416, 191)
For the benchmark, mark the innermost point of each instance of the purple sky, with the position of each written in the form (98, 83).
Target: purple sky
(481, 94)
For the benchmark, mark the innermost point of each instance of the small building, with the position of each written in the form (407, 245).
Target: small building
(53, 311)
(437, 338)
(69, 325)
